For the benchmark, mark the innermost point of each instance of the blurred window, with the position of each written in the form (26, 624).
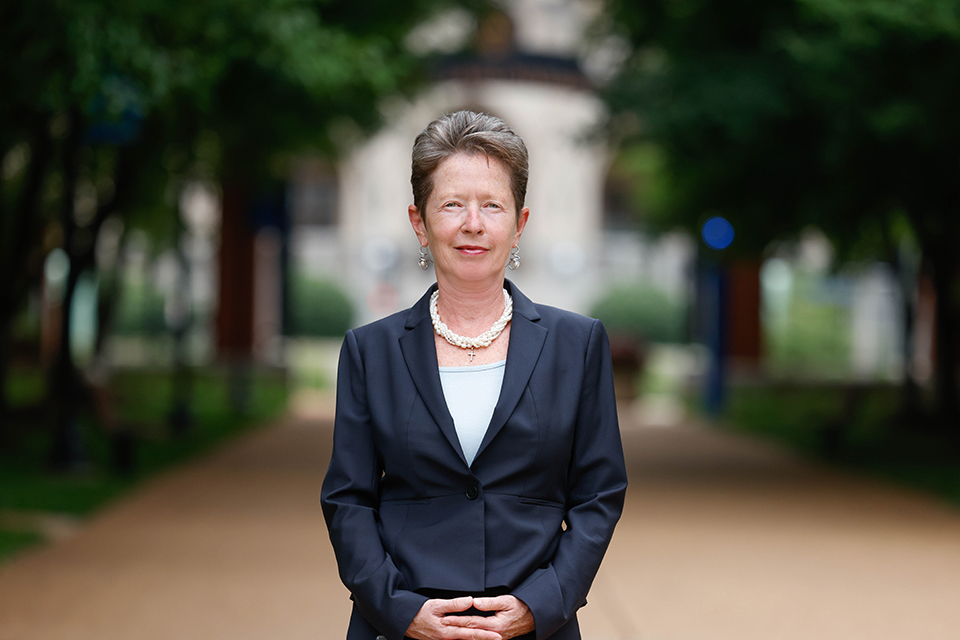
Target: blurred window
(619, 212)
(315, 194)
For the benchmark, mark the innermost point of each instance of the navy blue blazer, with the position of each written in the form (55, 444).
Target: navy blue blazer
(532, 516)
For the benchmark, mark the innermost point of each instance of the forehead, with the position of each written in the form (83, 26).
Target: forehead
(477, 171)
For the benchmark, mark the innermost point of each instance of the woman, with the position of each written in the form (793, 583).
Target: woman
(474, 483)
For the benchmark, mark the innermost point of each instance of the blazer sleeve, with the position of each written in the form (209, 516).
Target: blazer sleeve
(597, 482)
(350, 502)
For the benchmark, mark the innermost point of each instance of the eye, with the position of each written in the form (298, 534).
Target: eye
(492, 205)
(453, 204)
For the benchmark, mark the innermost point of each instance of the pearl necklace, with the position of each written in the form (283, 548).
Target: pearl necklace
(485, 339)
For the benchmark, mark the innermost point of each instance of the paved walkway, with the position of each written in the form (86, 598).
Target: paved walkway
(722, 538)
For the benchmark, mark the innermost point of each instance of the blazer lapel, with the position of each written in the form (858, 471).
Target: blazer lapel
(420, 354)
(526, 341)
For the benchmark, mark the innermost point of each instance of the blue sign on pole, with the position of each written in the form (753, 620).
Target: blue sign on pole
(717, 232)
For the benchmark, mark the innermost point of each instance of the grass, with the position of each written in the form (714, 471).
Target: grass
(12, 542)
(858, 432)
(142, 400)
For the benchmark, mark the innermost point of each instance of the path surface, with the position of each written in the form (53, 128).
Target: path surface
(722, 538)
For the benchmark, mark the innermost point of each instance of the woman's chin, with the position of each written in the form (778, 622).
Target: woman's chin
(472, 275)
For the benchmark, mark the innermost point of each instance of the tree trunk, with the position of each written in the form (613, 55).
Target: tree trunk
(911, 407)
(181, 412)
(128, 166)
(906, 266)
(24, 239)
(67, 450)
(5, 417)
(945, 272)
(235, 303)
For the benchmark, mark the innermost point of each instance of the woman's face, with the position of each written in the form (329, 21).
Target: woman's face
(471, 221)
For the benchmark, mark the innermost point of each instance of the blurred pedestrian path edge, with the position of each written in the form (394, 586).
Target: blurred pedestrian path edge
(722, 538)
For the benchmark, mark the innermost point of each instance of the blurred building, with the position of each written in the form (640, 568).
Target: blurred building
(534, 66)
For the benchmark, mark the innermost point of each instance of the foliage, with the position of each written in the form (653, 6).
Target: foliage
(815, 339)
(811, 335)
(140, 311)
(714, 94)
(779, 114)
(27, 387)
(850, 431)
(785, 112)
(642, 313)
(13, 541)
(209, 86)
(320, 308)
(635, 178)
(111, 106)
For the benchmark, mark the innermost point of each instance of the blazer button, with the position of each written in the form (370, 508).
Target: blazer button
(472, 493)
(381, 637)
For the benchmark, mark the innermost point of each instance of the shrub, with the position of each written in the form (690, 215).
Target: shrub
(139, 311)
(318, 308)
(641, 313)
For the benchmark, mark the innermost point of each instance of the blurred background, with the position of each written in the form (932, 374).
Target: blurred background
(759, 198)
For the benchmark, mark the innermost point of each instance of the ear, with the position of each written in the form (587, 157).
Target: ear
(521, 223)
(419, 226)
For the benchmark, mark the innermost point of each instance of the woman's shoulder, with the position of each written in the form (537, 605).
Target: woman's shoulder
(396, 324)
(568, 326)
(551, 317)
(386, 327)
(567, 321)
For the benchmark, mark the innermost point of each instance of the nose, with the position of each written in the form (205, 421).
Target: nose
(472, 220)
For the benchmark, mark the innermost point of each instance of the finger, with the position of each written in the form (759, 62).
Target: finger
(459, 633)
(492, 604)
(474, 622)
(456, 604)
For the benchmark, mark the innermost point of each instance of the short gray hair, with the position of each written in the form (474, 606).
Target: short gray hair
(471, 133)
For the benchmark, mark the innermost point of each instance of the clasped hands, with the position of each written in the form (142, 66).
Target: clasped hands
(512, 618)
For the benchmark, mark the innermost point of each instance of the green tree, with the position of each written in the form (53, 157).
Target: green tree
(779, 114)
(111, 104)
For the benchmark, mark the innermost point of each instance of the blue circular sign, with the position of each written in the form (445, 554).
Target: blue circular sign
(717, 232)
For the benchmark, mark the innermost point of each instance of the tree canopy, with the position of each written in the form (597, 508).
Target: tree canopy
(789, 112)
(779, 114)
(111, 105)
(225, 82)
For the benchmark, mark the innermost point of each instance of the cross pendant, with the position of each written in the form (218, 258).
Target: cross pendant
(471, 355)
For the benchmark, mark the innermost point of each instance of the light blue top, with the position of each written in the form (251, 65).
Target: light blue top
(471, 394)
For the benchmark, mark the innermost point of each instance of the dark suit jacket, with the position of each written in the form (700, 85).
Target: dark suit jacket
(532, 516)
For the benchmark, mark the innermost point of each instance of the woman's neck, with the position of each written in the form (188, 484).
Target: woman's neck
(471, 309)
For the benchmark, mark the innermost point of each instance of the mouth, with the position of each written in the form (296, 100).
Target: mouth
(471, 250)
